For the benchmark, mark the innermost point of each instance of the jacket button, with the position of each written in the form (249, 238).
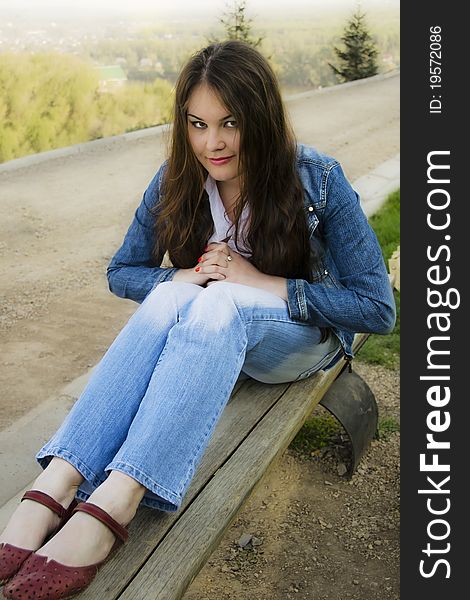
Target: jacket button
(310, 208)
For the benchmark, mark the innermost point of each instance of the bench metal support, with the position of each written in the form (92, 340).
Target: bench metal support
(351, 401)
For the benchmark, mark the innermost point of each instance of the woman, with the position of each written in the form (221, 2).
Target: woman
(274, 269)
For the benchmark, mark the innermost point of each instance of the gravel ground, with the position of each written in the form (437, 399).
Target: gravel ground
(309, 533)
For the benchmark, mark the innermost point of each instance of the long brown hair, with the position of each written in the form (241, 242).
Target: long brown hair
(277, 231)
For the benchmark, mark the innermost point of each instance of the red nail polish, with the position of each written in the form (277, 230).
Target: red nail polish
(199, 259)
(197, 269)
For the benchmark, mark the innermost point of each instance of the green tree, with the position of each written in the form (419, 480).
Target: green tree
(358, 60)
(237, 26)
(49, 101)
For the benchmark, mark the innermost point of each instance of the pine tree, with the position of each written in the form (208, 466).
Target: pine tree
(359, 57)
(237, 25)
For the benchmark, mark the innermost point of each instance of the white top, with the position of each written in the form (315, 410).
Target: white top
(223, 227)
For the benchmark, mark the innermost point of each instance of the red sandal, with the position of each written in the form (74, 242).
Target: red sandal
(12, 557)
(41, 578)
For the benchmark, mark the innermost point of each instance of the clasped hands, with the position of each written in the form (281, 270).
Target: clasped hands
(221, 263)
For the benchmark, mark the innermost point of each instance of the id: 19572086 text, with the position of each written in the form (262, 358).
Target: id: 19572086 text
(435, 69)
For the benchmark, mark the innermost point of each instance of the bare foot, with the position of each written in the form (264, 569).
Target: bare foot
(84, 540)
(32, 522)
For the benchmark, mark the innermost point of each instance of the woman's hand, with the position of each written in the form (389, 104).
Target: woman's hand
(220, 259)
(190, 276)
(221, 263)
(213, 263)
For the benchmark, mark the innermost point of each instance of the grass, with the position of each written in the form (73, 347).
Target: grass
(385, 350)
(386, 224)
(387, 426)
(316, 433)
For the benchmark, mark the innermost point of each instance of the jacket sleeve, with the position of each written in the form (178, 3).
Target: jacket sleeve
(132, 272)
(360, 297)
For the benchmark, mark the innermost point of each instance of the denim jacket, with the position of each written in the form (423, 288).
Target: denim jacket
(350, 291)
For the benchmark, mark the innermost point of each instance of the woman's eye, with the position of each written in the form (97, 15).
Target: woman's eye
(198, 124)
(231, 124)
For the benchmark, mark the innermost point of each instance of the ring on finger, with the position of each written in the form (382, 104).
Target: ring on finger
(229, 258)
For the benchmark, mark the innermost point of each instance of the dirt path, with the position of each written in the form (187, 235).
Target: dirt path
(63, 219)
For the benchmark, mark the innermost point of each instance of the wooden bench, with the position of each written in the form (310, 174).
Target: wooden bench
(166, 551)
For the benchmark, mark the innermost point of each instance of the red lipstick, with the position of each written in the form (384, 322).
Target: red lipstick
(220, 161)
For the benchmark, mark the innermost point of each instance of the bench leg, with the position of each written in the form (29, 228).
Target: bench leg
(351, 401)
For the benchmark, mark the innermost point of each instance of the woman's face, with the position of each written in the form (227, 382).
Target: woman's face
(213, 134)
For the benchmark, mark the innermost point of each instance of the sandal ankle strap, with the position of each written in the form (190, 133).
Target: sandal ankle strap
(95, 511)
(46, 500)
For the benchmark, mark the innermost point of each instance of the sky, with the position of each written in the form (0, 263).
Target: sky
(177, 8)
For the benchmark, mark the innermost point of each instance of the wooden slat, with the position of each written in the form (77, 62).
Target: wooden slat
(184, 550)
(244, 411)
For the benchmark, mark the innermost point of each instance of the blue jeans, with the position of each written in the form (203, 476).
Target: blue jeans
(154, 399)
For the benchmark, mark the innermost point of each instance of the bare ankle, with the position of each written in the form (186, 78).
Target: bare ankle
(119, 494)
(60, 480)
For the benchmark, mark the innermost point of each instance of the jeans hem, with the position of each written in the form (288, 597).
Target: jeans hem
(148, 500)
(156, 496)
(45, 455)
